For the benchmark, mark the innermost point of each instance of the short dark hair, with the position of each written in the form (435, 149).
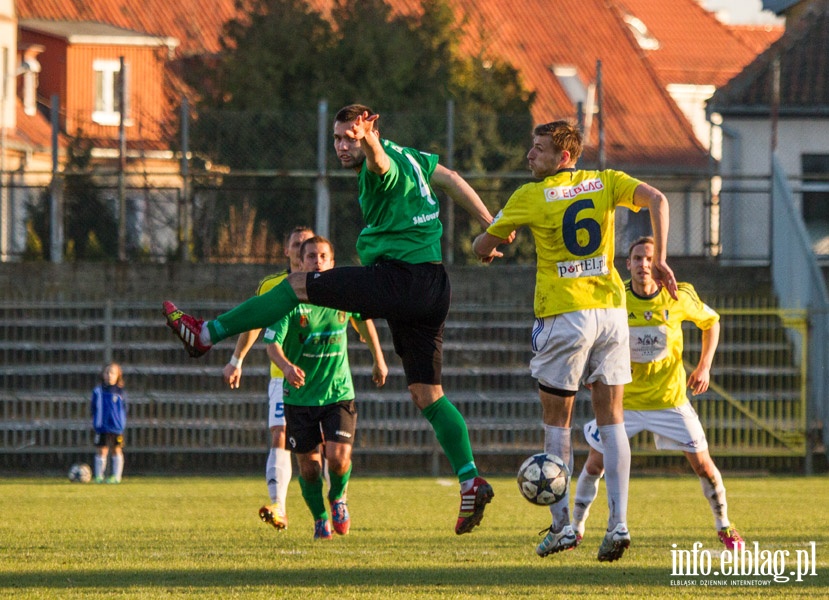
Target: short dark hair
(645, 239)
(565, 135)
(351, 112)
(297, 229)
(317, 239)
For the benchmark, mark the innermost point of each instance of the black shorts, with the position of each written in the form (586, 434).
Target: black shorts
(413, 299)
(114, 440)
(306, 427)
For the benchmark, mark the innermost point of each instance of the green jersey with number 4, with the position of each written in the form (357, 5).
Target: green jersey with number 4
(572, 217)
(400, 209)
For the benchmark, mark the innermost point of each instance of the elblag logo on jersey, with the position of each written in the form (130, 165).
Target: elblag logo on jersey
(568, 192)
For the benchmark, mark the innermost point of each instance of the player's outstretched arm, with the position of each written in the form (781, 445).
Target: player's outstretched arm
(232, 373)
(700, 378)
(368, 333)
(461, 193)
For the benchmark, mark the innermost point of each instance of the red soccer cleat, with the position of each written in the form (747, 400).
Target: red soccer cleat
(186, 327)
(340, 516)
(473, 504)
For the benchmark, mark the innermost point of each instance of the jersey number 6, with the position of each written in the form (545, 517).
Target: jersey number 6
(571, 225)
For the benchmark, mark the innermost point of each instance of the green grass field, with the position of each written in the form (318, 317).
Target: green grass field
(200, 537)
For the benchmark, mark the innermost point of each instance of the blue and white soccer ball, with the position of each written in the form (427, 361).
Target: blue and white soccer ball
(543, 479)
(80, 473)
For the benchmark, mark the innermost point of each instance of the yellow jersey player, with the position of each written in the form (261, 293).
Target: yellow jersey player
(278, 469)
(656, 399)
(580, 333)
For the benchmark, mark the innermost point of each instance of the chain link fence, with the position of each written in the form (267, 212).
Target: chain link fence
(251, 177)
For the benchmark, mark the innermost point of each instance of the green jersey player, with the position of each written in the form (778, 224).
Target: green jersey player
(310, 346)
(402, 280)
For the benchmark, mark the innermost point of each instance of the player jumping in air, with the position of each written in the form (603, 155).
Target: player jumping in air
(402, 280)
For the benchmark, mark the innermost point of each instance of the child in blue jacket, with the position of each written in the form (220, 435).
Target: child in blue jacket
(109, 418)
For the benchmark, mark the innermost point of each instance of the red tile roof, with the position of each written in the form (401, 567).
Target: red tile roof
(643, 126)
(757, 37)
(694, 47)
(195, 23)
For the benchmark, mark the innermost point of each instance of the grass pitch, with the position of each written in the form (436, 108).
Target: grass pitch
(199, 537)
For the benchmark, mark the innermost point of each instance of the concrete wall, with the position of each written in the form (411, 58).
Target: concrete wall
(497, 284)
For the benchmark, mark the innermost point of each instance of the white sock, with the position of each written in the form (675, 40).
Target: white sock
(100, 466)
(326, 477)
(617, 472)
(117, 466)
(270, 474)
(204, 336)
(587, 489)
(714, 491)
(557, 441)
(283, 474)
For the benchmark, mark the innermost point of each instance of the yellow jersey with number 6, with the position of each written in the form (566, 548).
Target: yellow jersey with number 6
(571, 215)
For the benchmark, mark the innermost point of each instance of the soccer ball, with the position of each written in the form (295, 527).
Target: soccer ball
(80, 473)
(543, 479)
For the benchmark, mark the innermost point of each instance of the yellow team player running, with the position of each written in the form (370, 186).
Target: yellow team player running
(656, 400)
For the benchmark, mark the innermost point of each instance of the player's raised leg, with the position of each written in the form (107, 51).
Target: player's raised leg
(198, 335)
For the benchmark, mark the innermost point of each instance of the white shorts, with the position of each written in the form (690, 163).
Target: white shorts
(675, 428)
(581, 346)
(276, 409)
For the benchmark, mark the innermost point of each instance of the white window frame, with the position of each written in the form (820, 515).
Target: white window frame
(104, 110)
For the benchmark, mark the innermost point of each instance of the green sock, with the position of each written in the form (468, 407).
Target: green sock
(312, 494)
(338, 483)
(453, 436)
(254, 313)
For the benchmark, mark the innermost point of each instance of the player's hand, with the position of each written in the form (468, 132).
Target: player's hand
(485, 242)
(295, 376)
(362, 127)
(232, 376)
(664, 276)
(698, 380)
(379, 374)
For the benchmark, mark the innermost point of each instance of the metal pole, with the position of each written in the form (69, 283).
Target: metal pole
(184, 209)
(450, 163)
(323, 194)
(599, 94)
(775, 100)
(4, 198)
(122, 165)
(56, 192)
